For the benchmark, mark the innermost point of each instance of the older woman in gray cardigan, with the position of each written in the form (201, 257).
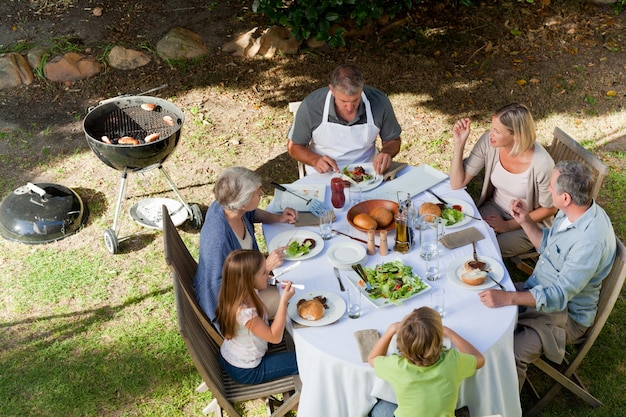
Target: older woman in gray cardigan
(516, 166)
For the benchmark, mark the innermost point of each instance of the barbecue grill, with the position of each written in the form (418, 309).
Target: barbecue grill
(140, 118)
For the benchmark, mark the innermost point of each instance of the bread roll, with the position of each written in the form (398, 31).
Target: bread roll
(474, 277)
(382, 216)
(472, 264)
(429, 211)
(310, 309)
(365, 221)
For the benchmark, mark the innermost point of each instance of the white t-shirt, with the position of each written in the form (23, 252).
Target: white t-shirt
(508, 186)
(245, 350)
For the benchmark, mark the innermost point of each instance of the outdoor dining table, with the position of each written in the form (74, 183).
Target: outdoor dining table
(336, 382)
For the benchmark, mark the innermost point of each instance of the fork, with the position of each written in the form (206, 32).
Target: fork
(317, 207)
(502, 287)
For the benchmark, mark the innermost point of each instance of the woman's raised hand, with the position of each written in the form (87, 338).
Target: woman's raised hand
(461, 131)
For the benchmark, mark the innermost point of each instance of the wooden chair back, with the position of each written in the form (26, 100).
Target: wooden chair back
(565, 148)
(293, 108)
(203, 341)
(564, 374)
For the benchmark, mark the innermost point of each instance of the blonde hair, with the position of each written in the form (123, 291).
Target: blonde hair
(518, 120)
(235, 186)
(237, 289)
(420, 336)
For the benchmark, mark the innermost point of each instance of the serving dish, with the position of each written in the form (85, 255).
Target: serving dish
(367, 207)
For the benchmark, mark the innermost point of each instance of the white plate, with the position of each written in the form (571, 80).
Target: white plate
(283, 199)
(148, 212)
(336, 308)
(343, 255)
(495, 270)
(369, 168)
(467, 209)
(354, 279)
(284, 238)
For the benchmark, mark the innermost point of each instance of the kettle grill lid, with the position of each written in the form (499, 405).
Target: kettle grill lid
(41, 213)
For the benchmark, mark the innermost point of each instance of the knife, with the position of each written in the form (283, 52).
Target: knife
(352, 237)
(338, 275)
(445, 203)
(289, 268)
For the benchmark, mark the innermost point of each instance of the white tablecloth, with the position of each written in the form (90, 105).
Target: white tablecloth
(335, 380)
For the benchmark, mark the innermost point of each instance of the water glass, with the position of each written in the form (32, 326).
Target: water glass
(354, 303)
(431, 229)
(437, 300)
(432, 268)
(326, 224)
(355, 194)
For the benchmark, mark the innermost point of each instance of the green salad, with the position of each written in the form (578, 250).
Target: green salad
(393, 281)
(451, 216)
(296, 249)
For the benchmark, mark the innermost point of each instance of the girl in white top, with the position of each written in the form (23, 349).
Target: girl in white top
(243, 322)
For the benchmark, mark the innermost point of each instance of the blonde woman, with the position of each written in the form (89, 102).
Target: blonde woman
(516, 167)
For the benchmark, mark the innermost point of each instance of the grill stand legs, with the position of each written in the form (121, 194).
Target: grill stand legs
(111, 240)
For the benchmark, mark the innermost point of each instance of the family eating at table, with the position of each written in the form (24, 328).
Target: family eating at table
(527, 200)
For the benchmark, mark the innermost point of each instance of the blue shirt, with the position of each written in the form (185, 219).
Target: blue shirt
(572, 265)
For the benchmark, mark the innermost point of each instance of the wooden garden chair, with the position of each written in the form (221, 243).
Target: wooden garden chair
(564, 374)
(564, 148)
(293, 108)
(203, 341)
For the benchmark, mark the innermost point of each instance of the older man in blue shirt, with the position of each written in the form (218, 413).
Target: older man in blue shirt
(560, 299)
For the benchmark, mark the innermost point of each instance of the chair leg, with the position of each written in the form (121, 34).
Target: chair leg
(213, 407)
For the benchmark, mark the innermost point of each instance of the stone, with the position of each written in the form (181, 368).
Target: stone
(35, 56)
(275, 39)
(242, 43)
(181, 43)
(14, 71)
(127, 59)
(71, 67)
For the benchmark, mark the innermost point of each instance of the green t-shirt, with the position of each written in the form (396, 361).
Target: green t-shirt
(426, 390)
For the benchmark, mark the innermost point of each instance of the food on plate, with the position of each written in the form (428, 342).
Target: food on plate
(429, 210)
(357, 174)
(312, 309)
(296, 248)
(168, 120)
(127, 140)
(382, 216)
(365, 221)
(474, 276)
(106, 139)
(152, 137)
(393, 281)
(473, 264)
(452, 215)
(148, 106)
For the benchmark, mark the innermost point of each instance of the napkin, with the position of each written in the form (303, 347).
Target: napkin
(461, 238)
(393, 170)
(366, 339)
(306, 218)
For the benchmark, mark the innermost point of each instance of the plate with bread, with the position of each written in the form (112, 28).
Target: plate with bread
(455, 215)
(316, 308)
(464, 273)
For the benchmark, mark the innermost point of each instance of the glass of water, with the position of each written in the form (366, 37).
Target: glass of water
(326, 224)
(431, 229)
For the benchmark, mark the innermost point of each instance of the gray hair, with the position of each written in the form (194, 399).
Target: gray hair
(575, 179)
(235, 186)
(347, 79)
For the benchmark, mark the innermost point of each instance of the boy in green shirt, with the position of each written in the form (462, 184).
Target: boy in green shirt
(427, 376)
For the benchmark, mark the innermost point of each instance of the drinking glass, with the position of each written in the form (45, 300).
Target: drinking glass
(437, 300)
(355, 194)
(431, 229)
(354, 303)
(432, 268)
(326, 224)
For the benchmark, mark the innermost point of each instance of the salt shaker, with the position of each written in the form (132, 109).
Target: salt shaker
(371, 244)
(383, 249)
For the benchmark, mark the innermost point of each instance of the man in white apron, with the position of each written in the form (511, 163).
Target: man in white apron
(338, 125)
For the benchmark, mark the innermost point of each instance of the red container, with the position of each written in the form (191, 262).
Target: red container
(338, 198)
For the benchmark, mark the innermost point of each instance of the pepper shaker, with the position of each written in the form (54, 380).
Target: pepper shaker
(371, 244)
(383, 249)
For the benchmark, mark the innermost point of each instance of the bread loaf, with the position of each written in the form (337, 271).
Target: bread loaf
(382, 216)
(474, 277)
(310, 309)
(365, 221)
